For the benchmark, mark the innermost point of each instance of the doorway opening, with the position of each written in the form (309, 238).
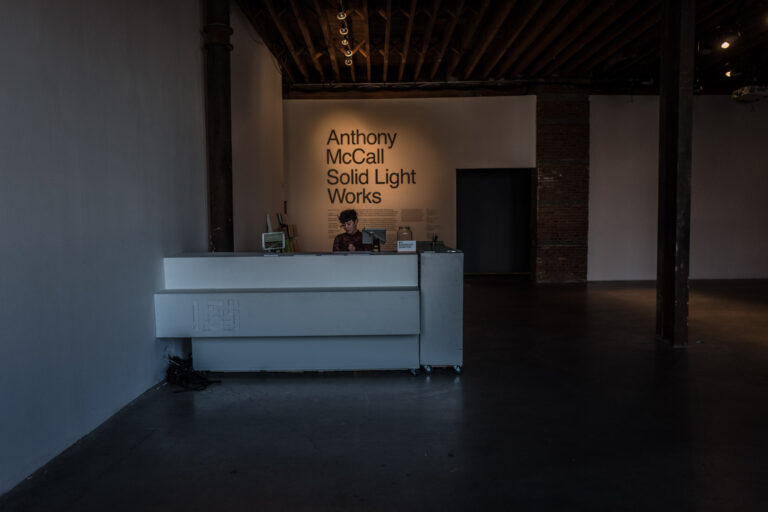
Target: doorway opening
(493, 220)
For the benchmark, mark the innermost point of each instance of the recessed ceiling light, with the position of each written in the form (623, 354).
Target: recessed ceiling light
(725, 44)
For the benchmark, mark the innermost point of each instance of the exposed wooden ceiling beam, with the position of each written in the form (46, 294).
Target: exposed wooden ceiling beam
(307, 39)
(593, 31)
(468, 35)
(387, 33)
(579, 26)
(256, 17)
(648, 47)
(368, 55)
(651, 52)
(552, 32)
(622, 42)
(534, 32)
(407, 42)
(498, 20)
(322, 18)
(713, 10)
(606, 39)
(427, 38)
(286, 39)
(447, 35)
(521, 25)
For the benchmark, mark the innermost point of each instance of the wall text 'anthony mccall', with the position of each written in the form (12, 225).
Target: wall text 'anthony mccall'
(356, 137)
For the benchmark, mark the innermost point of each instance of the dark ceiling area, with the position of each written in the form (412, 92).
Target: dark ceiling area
(610, 46)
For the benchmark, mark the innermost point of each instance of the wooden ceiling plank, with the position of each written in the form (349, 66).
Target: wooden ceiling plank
(716, 8)
(255, 17)
(531, 32)
(387, 33)
(447, 35)
(579, 27)
(552, 33)
(407, 41)
(286, 39)
(606, 39)
(322, 18)
(651, 52)
(468, 35)
(368, 55)
(594, 30)
(619, 45)
(307, 38)
(490, 33)
(427, 38)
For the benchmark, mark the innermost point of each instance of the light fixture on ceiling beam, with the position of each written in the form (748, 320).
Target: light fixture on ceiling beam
(728, 38)
(348, 62)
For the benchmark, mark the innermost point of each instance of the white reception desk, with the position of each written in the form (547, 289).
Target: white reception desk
(326, 311)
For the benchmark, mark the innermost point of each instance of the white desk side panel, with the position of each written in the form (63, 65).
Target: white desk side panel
(339, 270)
(442, 304)
(286, 313)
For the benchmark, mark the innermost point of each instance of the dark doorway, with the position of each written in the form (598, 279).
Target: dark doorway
(493, 220)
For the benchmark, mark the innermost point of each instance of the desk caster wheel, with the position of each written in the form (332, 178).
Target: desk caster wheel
(457, 368)
(414, 371)
(427, 369)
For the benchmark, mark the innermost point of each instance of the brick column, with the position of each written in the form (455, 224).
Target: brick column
(562, 184)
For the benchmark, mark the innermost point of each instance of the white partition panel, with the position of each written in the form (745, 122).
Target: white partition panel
(287, 313)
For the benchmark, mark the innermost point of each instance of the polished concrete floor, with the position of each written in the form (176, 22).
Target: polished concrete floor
(565, 403)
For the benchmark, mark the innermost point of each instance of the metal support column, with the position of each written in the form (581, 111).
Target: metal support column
(676, 121)
(218, 116)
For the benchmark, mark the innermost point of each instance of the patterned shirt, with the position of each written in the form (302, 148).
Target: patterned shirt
(342, 241)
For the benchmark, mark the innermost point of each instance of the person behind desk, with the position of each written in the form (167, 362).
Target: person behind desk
(351, 239)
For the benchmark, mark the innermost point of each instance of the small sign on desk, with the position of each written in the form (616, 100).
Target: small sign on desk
(406, 246)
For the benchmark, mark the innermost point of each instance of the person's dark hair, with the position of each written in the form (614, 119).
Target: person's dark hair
(347, 215)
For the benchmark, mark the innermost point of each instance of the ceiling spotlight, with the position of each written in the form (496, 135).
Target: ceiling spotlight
(729, 73)
(342, 15)
(348, 62)
(343, 30)
(348, 52)
(345, 42)
(725, 44)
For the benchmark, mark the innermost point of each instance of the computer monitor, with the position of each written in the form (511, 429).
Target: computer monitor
(371, 235)
(274, 241)
(374, 237)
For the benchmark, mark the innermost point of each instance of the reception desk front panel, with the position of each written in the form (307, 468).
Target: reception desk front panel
(341, 311)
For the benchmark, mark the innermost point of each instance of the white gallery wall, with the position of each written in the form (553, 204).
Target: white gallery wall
(102, 173)
(257, 134)
(729, 183)
(407, 153)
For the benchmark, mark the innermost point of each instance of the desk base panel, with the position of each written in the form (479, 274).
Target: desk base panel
(306, 353)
